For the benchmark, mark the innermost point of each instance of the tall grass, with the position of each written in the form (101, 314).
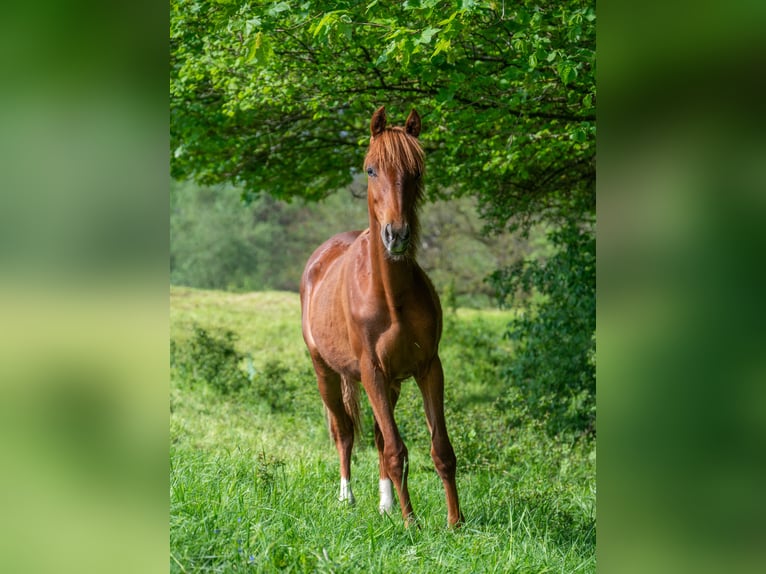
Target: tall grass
(254, 476)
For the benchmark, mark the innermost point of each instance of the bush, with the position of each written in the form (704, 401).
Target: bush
(210, 359)
(553, 376)
(279, 387)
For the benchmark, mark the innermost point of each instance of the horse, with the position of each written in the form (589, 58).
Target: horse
(370, 314)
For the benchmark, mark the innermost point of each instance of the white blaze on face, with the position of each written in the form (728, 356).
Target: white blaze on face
(386, 495)
(345, 491)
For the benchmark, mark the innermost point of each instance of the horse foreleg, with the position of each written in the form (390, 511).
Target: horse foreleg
(431, 384)
(392, 451)
(385, 485)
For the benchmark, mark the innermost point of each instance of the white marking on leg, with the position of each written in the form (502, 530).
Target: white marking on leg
(345, 491)
(386, 495)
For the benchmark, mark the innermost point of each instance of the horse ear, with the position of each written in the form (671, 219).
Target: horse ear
(412, 126)
(378, 123)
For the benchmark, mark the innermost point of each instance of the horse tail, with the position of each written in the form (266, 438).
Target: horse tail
(350, 391)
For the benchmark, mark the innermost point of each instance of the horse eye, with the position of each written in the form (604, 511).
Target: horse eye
(371, 172)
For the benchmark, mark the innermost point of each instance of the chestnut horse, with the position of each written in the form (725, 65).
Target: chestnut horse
(370, 314)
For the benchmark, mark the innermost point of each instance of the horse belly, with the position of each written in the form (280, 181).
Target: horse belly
(324, 323)
(329, 332)
(333, 345)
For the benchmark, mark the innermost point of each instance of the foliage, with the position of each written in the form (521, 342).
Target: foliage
(276, 96)
(213, 360)
(210, 359)
(553, 373)
(256, 488)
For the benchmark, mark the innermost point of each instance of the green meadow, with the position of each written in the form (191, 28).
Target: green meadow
(254, 475)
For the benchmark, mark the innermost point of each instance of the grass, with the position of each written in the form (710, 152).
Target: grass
(254, 476)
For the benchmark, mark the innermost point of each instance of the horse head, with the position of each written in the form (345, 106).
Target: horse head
(395, 164)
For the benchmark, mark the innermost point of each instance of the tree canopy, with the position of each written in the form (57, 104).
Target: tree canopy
(276, 97)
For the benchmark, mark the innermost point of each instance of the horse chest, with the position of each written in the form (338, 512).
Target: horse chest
(400, 350)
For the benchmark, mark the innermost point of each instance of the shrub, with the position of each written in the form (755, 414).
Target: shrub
(275, 385)
(211, 359)
(554, 370)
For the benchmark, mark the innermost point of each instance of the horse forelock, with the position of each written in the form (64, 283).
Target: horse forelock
(394, 149)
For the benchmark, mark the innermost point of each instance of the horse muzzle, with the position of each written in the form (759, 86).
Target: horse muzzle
(396, 238)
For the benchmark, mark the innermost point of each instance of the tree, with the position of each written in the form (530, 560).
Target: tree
(276, 96)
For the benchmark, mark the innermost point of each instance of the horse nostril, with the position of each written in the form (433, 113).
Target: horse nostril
(396, 237)
(389, 234)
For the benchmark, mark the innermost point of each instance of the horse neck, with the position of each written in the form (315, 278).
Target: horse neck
(394, 276)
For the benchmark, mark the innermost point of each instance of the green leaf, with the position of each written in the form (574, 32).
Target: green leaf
(251, 24)
(566, 73)
(406, 47)
(442, 45)
(395, 34)
(390, 49)
(449, 20)
(427, 34)
(261, 50)
(578, 136)
(278, 7)
(324, 23)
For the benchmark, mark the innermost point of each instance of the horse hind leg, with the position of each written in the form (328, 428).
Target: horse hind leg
(431, 386)
(341, 423)
(348, 427)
